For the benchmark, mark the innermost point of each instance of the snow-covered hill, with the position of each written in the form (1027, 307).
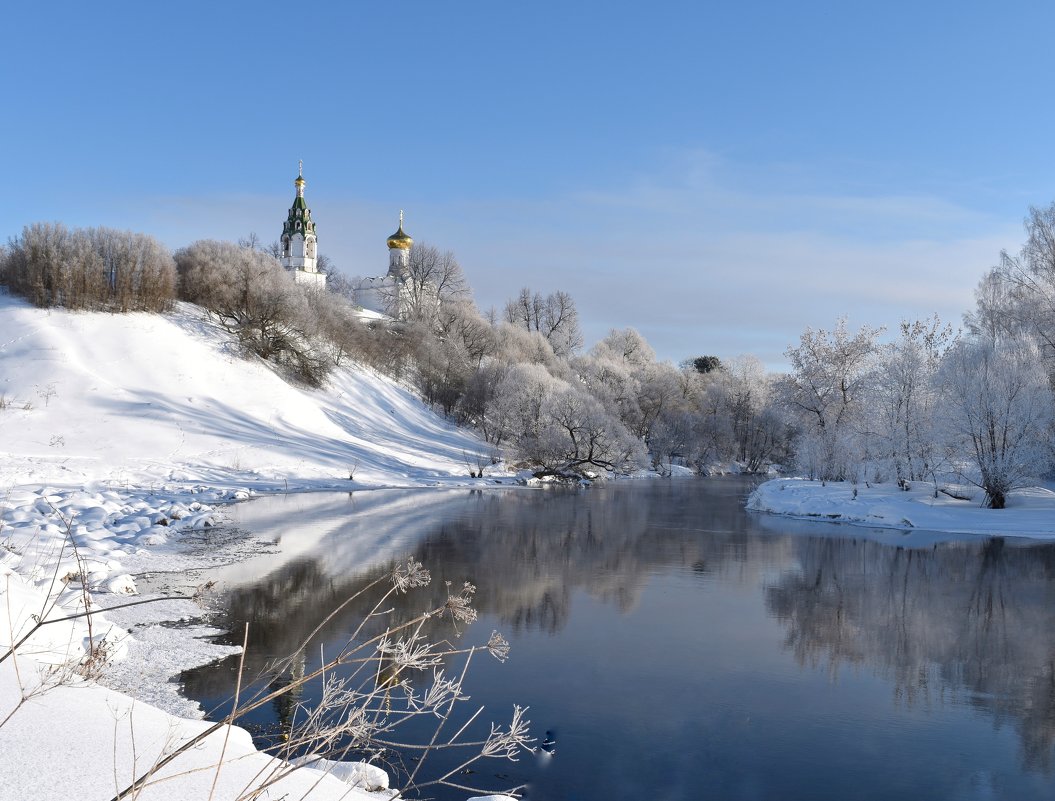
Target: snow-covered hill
(144, 399)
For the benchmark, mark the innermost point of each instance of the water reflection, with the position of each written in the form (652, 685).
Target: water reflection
(975, 619)
(661, 620)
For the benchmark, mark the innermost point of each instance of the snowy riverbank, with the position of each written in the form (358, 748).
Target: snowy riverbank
(121, 437)
(1029, 513)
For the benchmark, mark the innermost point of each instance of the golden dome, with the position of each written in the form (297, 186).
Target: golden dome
(400, 240)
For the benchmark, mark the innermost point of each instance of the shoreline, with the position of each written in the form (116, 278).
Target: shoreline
(1030, 513)
(63, 549)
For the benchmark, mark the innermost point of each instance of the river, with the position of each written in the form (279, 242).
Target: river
(670, 645)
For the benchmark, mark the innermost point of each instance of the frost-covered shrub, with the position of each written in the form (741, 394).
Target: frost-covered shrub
(254, 298)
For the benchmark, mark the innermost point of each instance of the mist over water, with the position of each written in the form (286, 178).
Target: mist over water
(674, 646)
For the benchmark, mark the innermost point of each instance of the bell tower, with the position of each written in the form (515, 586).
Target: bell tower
(299, 242)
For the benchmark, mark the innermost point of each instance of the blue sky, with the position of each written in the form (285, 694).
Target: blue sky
(717, 176)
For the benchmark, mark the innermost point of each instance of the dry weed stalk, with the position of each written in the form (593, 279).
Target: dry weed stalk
(366, 695)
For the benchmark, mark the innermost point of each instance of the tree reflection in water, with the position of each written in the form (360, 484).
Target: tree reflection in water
(940, 623)
(975, 619)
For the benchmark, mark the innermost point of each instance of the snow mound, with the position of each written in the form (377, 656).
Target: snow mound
(362, 775)
(1029, 513)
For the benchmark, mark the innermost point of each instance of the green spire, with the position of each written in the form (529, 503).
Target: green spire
(299, 220)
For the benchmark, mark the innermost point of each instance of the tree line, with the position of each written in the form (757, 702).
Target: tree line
(932, 403)
(89, 268)
(975, 404)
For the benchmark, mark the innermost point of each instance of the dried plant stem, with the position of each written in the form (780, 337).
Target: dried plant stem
(256, 703)
(354, 712)
(234, 711)
(436, 733)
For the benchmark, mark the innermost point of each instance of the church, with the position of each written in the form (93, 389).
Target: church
(384, 294)
(299, 244)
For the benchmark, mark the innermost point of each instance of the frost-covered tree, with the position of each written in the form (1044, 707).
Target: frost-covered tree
(827, 388)
(553, 424)
(579, 434)
(1019, 293)
(338, 283)
(905, 399)
(476, 405)
(998, 403)
(335, 322)
(140, 272)
(433, 277)
(673, 437)
(712, 425)
(622, 373)
(443, 367)
(554, 316)
(660, 396)
(514, 344)
(613, 383)
(460, 321)
(995, 312)
(757, 424)
(625, 345)
(517, 415)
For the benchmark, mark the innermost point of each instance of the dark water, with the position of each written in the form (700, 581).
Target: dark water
(677, 647)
